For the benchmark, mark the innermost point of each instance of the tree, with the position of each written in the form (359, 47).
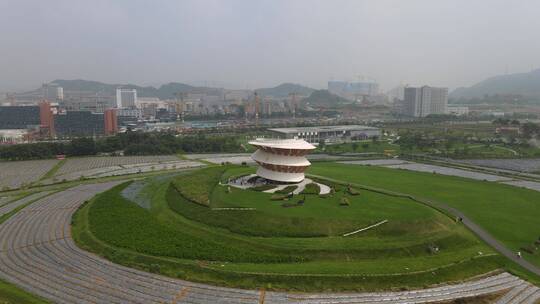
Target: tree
(530, 130)
(501, 121)
(82, 146)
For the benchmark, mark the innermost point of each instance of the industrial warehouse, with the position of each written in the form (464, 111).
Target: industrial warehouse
(328, 134)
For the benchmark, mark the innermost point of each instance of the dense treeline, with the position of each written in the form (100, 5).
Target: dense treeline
(131, 143)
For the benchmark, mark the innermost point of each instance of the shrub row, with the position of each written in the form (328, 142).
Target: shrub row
(287, 189)
(262, 188)
(312, 188)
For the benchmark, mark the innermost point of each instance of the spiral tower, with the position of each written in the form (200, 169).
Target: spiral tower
(282, 160)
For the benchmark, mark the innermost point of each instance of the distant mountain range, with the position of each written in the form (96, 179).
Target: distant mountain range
(167, 91)
(284, 89)
(526, 84)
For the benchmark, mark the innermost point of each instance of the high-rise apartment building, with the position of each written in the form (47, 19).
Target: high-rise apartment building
(52, 92)
(19, 117)
(126, 98)
(423, 101)
(79, 123)
(111, 122)
(46, 118)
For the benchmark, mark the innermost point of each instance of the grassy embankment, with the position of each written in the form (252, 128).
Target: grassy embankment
(11, 294)
(200, 244)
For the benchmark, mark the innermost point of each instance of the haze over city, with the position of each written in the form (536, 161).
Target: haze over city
(252, 44)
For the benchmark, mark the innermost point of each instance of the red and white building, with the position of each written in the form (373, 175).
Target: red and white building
(282, 160)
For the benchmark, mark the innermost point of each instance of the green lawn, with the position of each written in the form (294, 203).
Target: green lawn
(318, 216)
(180, 238)
(11, 294)
(511, 214)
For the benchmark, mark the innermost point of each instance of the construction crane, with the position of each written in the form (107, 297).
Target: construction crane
(256, 109)
(180, 106)
(293, 103)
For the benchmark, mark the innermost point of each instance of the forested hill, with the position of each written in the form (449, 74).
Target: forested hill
(323, 98)
(525, 84)
(284, 89)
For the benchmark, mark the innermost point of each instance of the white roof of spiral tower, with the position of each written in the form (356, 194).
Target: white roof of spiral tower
(297, 144)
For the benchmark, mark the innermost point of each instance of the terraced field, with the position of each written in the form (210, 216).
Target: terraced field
(14, 174)
(407, 165)
(4, 200)
(38, 254)
(7, 208)
(88, 163)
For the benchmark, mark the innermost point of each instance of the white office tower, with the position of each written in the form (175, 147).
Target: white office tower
(60, 93)
(126, 98)
(423, 101)
(282, 160)
(353, 90)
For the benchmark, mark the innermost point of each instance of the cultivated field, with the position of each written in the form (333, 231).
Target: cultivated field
(4, 199)
(525, 184)
(523, 165)
(4, 209)
(407, 165)
(448, 171)
(14, 174)
(216, 155)
(88, 163)
(401, 164)
(96, 167)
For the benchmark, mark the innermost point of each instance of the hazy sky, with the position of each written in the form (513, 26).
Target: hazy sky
(255, 43)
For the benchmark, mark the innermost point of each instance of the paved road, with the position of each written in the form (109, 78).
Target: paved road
(488, 238)
(38, 254)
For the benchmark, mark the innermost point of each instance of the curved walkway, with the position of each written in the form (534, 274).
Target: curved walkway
(38, 254)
